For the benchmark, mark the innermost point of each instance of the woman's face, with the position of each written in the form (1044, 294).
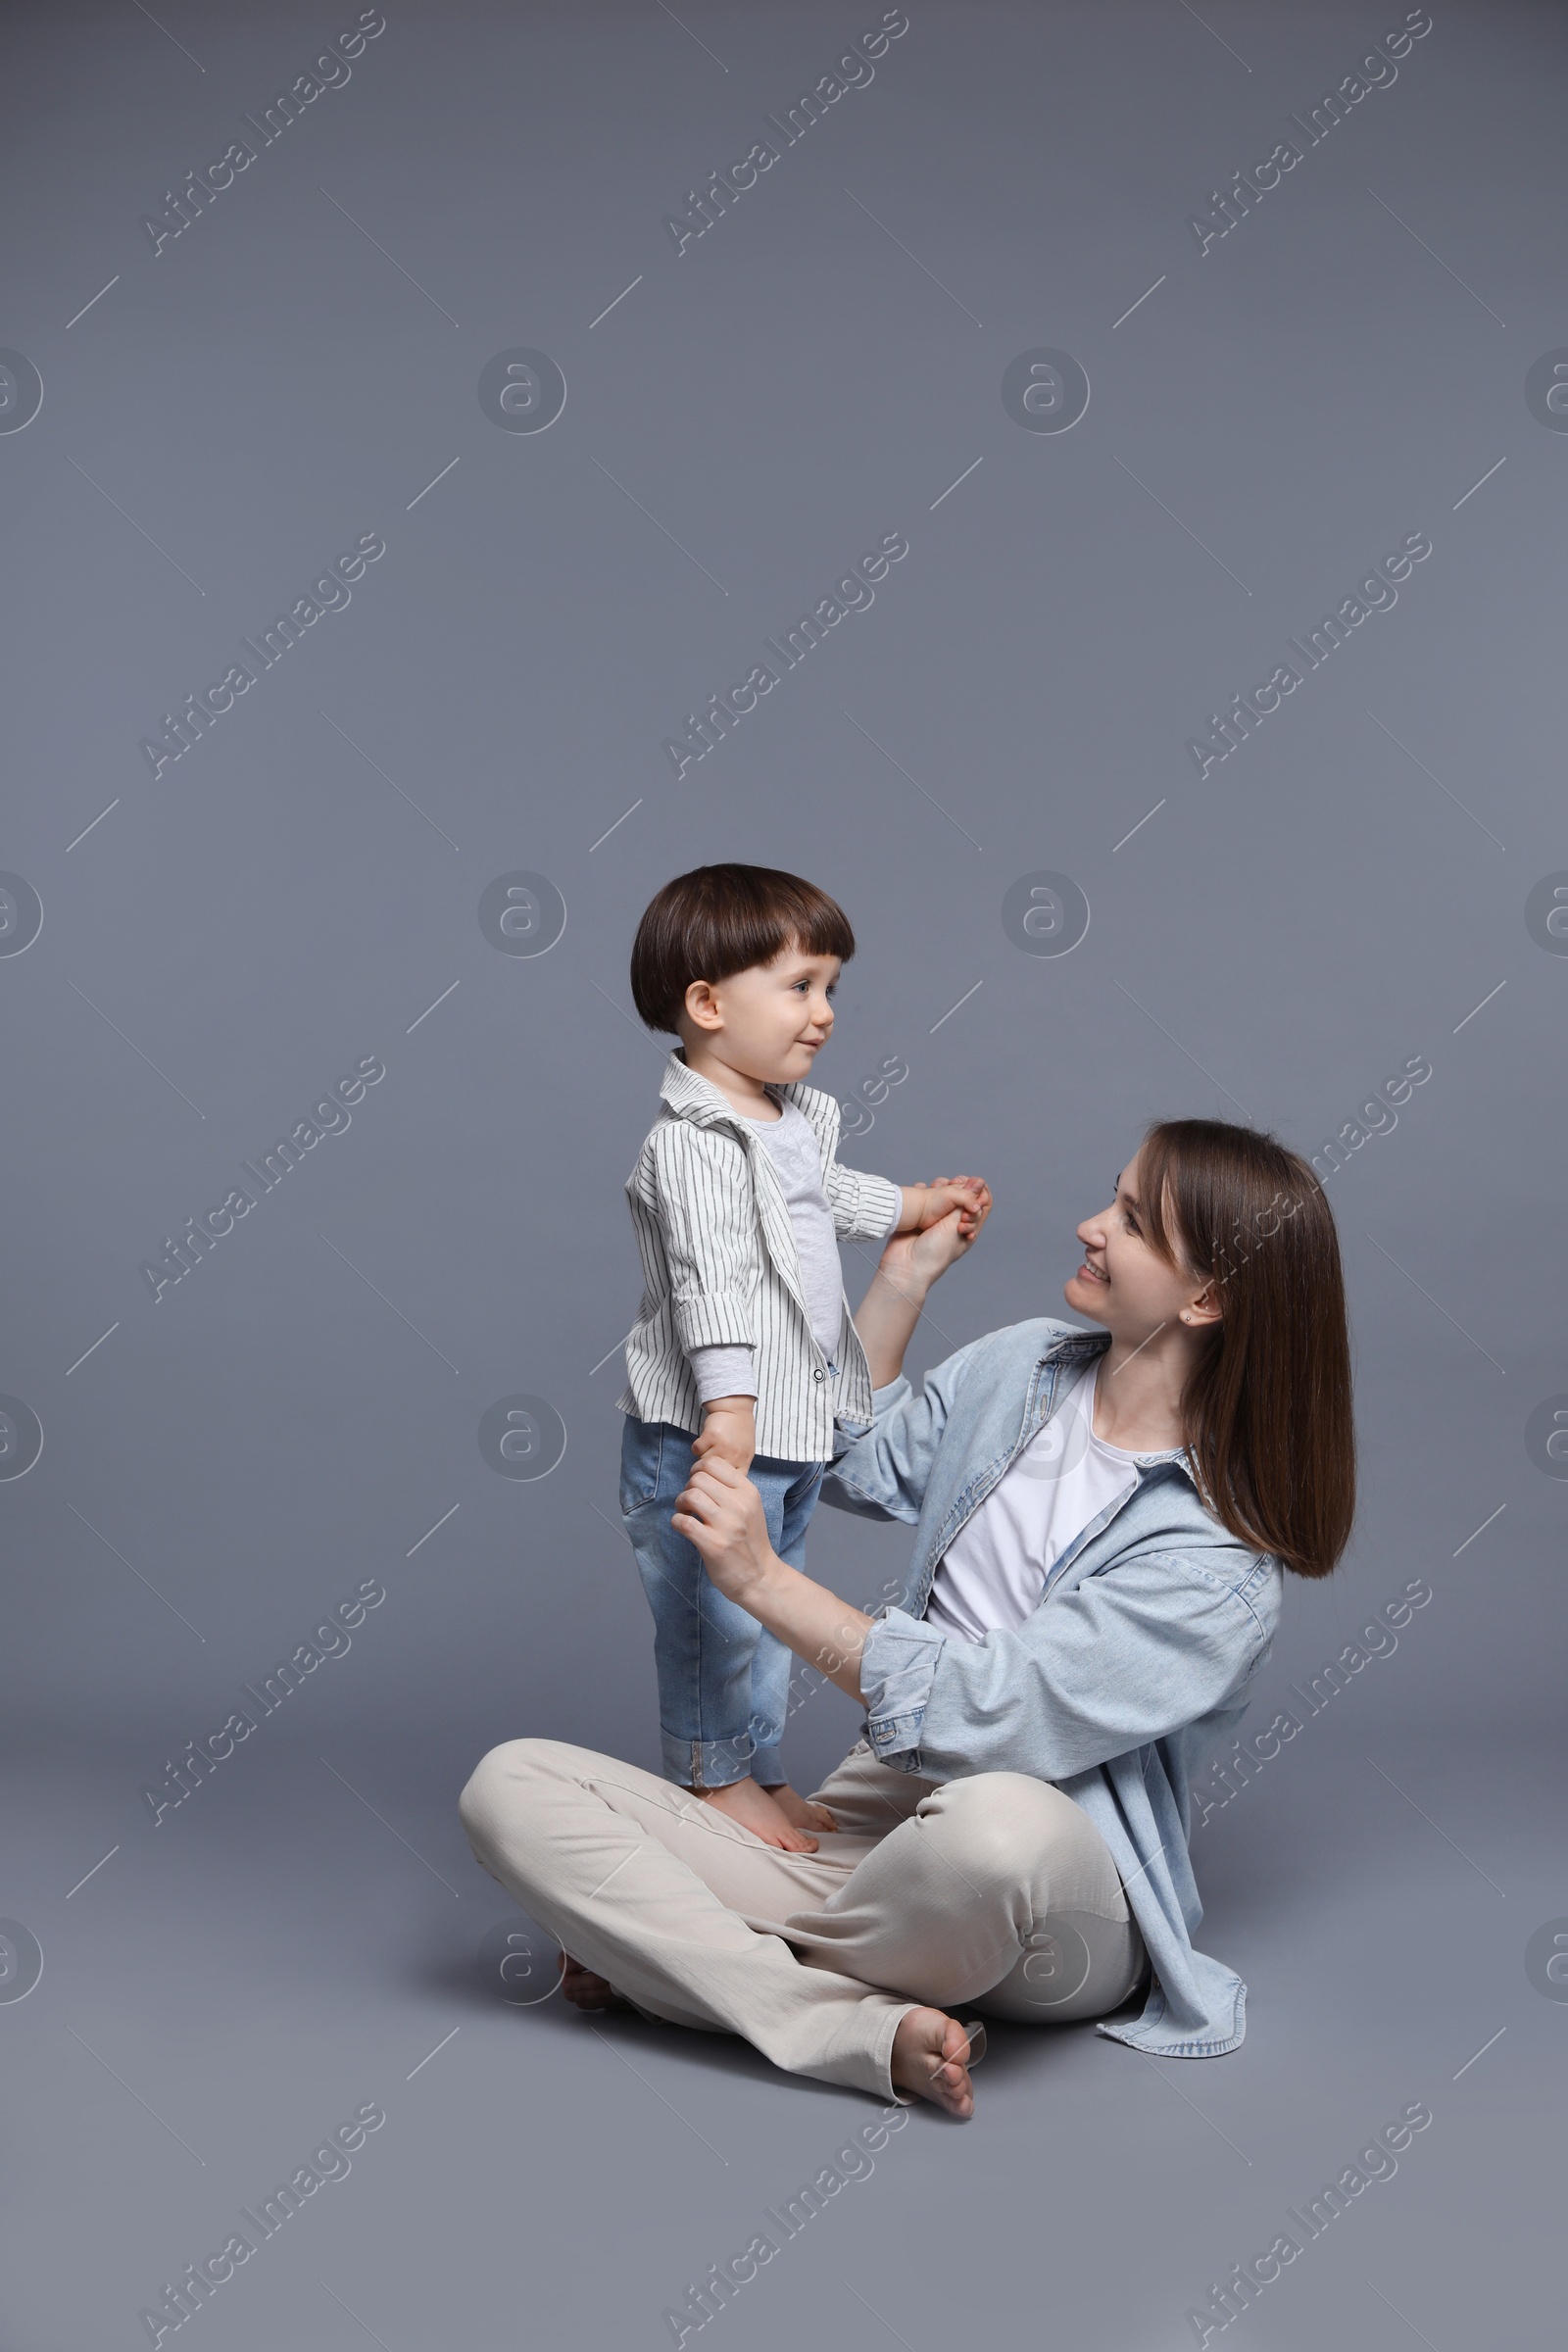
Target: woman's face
(1123, 1283)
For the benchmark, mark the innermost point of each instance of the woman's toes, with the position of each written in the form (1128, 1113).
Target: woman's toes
(931, 2057)
(585, 1990)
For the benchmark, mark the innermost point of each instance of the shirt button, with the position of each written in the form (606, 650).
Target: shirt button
(817, 1375)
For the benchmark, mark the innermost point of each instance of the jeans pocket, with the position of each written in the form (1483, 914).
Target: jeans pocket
(641, 1459)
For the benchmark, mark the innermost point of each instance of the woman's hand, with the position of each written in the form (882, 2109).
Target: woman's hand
(722, 1512)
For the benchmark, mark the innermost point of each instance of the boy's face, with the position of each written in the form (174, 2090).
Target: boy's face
(769, 1022)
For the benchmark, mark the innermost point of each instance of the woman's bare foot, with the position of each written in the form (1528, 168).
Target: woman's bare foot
(799, 1809)
(752, 1807)
(585, 1990)
(932, 2054)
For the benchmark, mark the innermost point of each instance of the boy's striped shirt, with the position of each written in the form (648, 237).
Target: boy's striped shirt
(721, 1267)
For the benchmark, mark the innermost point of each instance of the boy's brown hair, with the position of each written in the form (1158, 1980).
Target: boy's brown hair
(718, 920)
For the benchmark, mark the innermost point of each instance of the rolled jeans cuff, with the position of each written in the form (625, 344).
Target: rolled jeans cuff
(720, 1763)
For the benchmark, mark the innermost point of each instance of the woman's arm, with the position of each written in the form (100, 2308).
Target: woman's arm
(1131, 1655)
(1134, 1653)
(722, 1512)
(887, 1316)
(896, 1296)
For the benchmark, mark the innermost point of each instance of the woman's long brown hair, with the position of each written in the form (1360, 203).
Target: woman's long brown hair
(1267, 1405)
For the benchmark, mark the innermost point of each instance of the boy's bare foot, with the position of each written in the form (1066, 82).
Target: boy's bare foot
(932, 2054)
(752, 1806)
(799, 1809)
(585, 1990)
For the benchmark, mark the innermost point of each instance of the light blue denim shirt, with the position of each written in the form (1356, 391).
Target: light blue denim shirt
(1139, 1657)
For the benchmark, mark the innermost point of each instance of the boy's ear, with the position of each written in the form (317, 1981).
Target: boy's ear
(701, 1006)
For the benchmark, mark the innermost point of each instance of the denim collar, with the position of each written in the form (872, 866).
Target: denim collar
(1075, 1349)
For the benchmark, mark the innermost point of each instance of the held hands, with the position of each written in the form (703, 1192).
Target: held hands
(949, 1214)
(970, 1196)
(722, 1512)
(728, 1433)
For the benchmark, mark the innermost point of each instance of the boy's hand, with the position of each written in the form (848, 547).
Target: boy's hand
(728, 1431)
(940, 1222)
(970, 1196)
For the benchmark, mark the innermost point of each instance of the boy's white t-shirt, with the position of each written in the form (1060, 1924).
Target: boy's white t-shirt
(791, 1144)
(994, 1572)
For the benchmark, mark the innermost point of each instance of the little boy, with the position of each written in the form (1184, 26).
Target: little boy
(743, 1346)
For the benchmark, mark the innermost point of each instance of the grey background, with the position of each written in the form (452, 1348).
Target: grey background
(299, 1412)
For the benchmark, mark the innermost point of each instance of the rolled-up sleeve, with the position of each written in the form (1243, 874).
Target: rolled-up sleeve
(1127, 1657)
(897, 1668)
(865, 1208)
(707, 1219)
(723, 1372)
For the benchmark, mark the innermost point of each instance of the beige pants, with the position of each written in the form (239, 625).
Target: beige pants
(994, 1893)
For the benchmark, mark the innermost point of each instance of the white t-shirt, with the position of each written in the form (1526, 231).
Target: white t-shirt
(994, 1572)
(791, 1144)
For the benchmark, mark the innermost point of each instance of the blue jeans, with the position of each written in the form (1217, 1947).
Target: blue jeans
(723, 1680)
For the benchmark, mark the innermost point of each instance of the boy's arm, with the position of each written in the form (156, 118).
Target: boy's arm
(871, 1208)
(865, 1208)
(726, 1390)
(707, 1220)
(729, 1430)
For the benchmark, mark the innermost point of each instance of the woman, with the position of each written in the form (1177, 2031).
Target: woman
(1102, 1520)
